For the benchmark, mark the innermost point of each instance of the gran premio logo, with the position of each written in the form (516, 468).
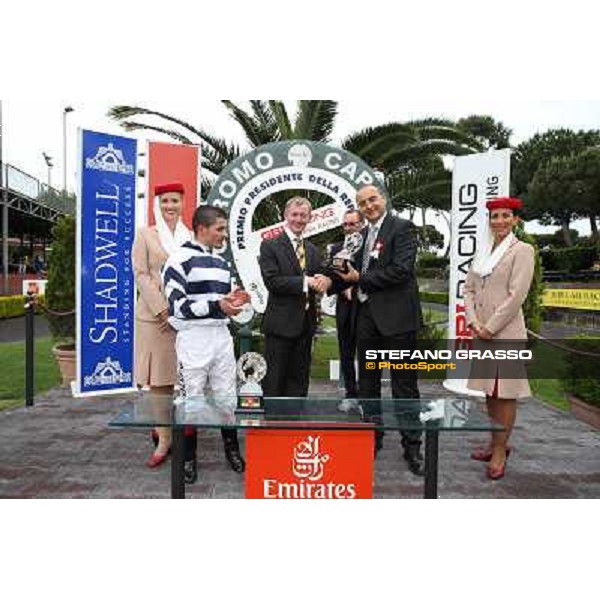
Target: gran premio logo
(308, 467)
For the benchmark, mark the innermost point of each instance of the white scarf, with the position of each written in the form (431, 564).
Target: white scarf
(169, 241)
(486, 260)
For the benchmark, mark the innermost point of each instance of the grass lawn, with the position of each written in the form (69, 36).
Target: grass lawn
(326, 349)
(12, 379)
(550, 391)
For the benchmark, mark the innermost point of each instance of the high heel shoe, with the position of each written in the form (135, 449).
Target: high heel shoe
(495, 473)
(156, 460)
(485, 454)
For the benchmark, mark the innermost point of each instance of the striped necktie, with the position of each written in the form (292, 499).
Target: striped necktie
(368, 249)
(366, 258)
(300, 253)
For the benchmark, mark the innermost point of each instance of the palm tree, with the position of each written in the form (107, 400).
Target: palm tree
(395, 146)
(408, 154)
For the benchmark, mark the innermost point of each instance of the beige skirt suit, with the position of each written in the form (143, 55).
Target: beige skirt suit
(155, 358)
(495, 302)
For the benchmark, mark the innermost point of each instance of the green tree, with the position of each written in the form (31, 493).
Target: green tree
(541, 148)
(391, 147)
(429, 238)
(488, 132)
(532, 307)
(60, 290)
(554, 193)
(587, 172)
(555, 239)
(408, 154)
(567, 187)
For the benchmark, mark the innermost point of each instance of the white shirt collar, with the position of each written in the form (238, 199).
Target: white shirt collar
(202, 246)
(292, 235)
(377, 224)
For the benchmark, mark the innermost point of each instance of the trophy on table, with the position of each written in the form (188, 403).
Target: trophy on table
(251, 369)
(342, 259)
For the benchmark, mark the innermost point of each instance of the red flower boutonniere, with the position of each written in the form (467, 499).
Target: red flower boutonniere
(377, 249)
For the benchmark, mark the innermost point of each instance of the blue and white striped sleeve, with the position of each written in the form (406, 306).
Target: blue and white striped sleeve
(176, 291)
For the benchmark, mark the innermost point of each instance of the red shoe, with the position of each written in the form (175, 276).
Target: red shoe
(482, 454)
(495, 473)
(485, 454)
(156, 460)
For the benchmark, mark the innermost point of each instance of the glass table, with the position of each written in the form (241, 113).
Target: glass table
(427, 415)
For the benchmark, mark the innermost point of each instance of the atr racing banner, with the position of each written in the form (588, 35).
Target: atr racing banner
(475, 179)
(105, 280)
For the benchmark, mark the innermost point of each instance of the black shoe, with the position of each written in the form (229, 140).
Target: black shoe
(190, 471)
(378, 447)
(414, 459)
(234, 458)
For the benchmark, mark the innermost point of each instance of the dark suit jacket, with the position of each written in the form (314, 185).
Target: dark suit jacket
(283, 278)
(344, 310)
(390, 279)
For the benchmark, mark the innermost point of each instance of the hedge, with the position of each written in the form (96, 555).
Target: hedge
(582, 371)
(573, 259)
(435, 297)
(14, 306)
(431, 273)
(428, 260)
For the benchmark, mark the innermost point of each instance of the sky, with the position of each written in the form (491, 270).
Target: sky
(32, 127)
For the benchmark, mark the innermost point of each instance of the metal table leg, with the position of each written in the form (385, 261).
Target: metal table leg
(177, 458)
(431, 463)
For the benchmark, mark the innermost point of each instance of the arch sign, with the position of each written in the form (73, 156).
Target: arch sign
(276, 167)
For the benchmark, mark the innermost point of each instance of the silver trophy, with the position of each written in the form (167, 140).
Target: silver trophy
(251, 369)
(342, 259)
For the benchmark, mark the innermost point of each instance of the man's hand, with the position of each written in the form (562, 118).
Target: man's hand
(238, 297)
(323, 281)
(319, 283)
(228, 307)
(352, 276)
(163, 320)
(347, 293)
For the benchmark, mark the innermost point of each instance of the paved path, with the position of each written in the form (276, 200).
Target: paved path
(62, 448)
(13, 330)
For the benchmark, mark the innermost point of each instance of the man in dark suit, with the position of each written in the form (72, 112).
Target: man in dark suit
(292, 271)
(345, 319)
(389, 310)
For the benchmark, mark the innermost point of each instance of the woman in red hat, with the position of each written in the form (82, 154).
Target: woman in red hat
(495, 289)
(156, 362)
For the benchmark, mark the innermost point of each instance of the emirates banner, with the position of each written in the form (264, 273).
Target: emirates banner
(475, 179)
(168, 163)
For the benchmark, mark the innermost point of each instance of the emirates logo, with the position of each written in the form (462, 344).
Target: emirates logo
(308, 461)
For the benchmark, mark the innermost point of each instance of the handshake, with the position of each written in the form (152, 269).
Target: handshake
(232, 303)
(319, 283)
